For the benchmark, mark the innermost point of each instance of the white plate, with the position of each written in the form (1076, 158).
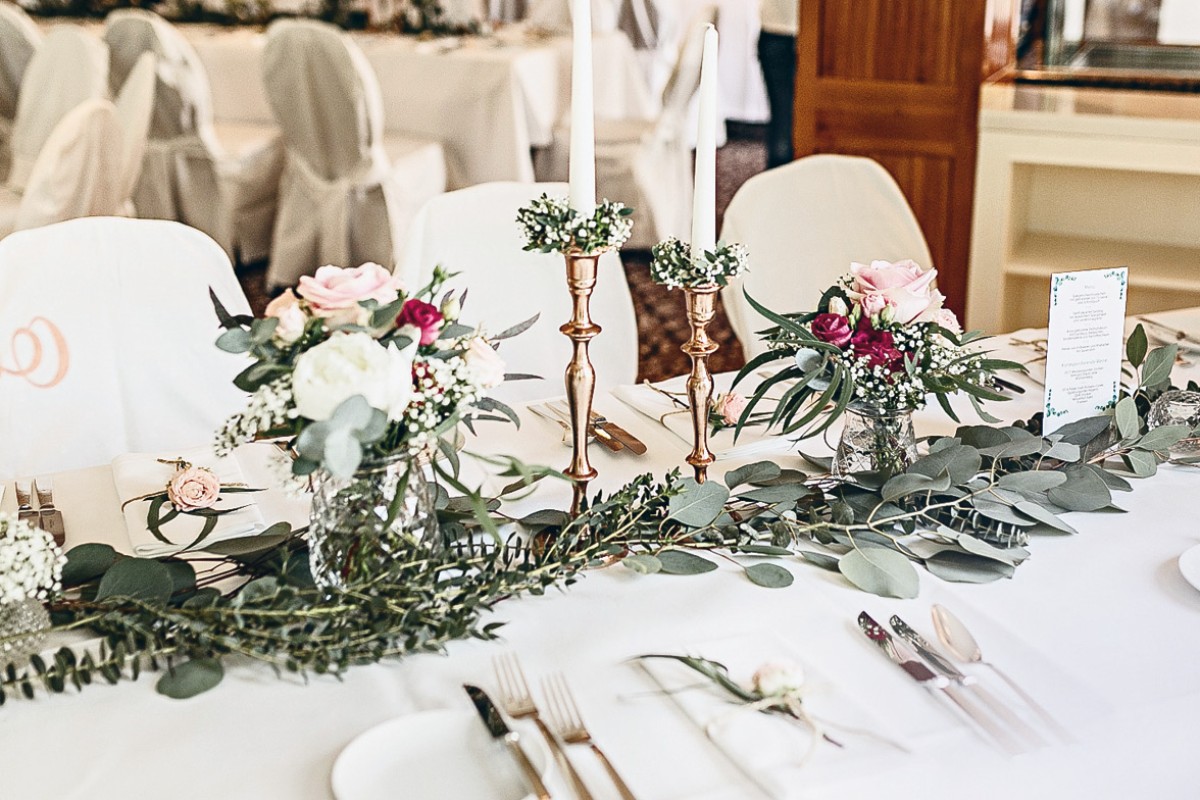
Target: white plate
(1189, 565)
(436, 755)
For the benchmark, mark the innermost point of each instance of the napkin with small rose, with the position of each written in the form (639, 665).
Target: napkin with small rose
(183, 500)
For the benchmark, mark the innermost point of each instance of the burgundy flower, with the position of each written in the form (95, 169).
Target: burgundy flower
(878, 347)
(423, 316)
(832, 328)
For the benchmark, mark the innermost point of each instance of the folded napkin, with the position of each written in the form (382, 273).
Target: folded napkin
(753, 440)
(139, 474)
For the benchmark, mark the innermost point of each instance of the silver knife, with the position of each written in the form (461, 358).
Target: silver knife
(901, 655)
(49, 518)
(499, 730)
(25, 511)
(939, 662)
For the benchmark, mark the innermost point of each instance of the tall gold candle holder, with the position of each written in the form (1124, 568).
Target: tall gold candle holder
(580, 375)
(701, 306)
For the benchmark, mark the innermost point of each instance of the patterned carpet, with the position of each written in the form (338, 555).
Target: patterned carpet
(662, 325)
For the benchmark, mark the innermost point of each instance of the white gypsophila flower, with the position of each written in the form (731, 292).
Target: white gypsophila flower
(441, 388)
(270, 407)
(348, 364)
(778, 679)
(30, 562)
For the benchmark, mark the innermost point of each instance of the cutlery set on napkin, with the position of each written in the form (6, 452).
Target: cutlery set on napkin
(932, 669)
(45, 516)
(601, 429)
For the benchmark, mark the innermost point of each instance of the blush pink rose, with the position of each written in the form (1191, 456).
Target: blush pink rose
(730, 406)
(946, 318)
(292, 319)
(335, 292)
(194, 488)
(425, 317)
(903, 285)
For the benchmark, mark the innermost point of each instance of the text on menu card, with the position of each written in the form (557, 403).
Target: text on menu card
(1085, 344)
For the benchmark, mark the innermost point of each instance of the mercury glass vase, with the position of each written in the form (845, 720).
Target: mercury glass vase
(875, 440)
(23, 627)
(361, 527)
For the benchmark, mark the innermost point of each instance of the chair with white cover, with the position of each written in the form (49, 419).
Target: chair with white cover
(19, 38)
(79, 173)
(220, 178)
(647, 164)
(70, 66)
(348, 193)
(134, 105)
(508, 285)
(803, 224)
(555, 15)
(112, 332)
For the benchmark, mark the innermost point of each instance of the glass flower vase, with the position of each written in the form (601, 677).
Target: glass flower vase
(361, 527)
(875, 440)
(23, 626)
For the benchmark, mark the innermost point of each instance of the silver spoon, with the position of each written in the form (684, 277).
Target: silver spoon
(962, 645)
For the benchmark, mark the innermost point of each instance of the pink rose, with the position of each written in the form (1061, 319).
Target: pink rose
(832, 328)
(194, 488)
(902, 285)
(730, 406)
(485, 364)
(945, 318)
(878, 347)
(292, 319)
(423, 316)
(335, 292)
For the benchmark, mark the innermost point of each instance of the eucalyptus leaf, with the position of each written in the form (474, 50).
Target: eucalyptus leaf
(960, 567)
(1034, 481)
(86, 562)
(783, 493)
(1084, 431)
(1157, 368)
(1136, 346)
(642, 563)
(771, 576)
(137, 579)
(763, 550)
(1083, 491)
(698, 504)
(958, 462)
(822, 560)
(1163, 437)
(1128, 421)
(191, 678)
(752, 473)
(907, 483)
(1044, 516)
(881, 572)
(1141, 463)
(681, 562)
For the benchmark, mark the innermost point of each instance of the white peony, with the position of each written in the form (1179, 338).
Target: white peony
(349, 364)
(485, 364)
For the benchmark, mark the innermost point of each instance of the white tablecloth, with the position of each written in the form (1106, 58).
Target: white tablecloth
(487, 101)
(1100, 626)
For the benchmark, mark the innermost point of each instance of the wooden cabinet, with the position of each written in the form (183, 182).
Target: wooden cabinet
(898, 81)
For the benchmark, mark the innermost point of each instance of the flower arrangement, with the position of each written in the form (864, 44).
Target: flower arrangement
(675, 266)
(352, 368)
(550, 225)
(879, 340)
(30, 562)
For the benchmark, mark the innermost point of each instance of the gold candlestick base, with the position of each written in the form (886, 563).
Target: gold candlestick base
(701, 306)
(580, 375)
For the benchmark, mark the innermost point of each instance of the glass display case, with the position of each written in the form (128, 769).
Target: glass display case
(1153, 44)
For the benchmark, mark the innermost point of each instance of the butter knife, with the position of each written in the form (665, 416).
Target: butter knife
(903, 656)
(939, 662)
(631, 442)
(560, 409)
(25, 510)
(499, 730)
(49, 518)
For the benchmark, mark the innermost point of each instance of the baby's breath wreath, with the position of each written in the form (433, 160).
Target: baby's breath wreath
(675, 267)
(550, 225)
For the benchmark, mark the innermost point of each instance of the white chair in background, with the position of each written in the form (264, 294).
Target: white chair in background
(348, 193)
(555, 15)
(222, 179)
(79, 172)
(647, 164)
(113, 331)
(19, 38)
(134, 105)
(70, 66)
(508, 285)
(803, 224)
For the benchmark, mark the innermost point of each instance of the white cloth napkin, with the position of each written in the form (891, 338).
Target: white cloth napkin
(138, 474)
(753, 440)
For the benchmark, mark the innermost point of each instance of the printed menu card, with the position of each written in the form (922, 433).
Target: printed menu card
(1085, 344)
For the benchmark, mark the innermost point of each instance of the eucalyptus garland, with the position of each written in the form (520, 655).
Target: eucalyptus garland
(967, 512)
(550, 225)
(674, 265)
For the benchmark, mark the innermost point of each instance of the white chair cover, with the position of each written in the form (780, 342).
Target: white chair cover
(70, 66)
(19, 37)
(555, 15)
(187, 175)
(507, 285)
(135, 103)
(111, 337)
(77, 174)
(342, 200)
(804, 223)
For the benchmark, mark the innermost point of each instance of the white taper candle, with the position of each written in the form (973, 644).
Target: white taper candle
(583, 122)
(704, 201)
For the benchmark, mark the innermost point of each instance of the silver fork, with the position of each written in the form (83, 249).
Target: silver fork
(564, 715)
(518, 702)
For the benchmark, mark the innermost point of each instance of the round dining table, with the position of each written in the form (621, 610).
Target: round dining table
(1101, 627)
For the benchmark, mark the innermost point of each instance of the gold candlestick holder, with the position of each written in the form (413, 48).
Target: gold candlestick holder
(580, 375)
(701, 306)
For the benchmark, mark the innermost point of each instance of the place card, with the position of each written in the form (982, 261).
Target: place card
(1085, 344)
